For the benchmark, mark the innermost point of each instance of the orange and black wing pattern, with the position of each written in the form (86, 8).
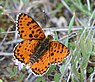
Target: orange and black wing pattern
(54, 55)
(28, 27)
(25, 49)
(31, 32)
(58, 52)
(42, 65)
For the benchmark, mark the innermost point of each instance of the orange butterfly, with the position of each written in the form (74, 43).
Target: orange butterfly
(36, 50)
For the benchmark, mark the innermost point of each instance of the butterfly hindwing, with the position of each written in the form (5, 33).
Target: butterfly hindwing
(42, 65)
(25, 49)
(58, 52)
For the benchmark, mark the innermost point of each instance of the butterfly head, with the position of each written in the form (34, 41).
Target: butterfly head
(50, 37)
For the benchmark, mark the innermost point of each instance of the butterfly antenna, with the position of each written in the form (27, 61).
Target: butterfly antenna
(46, 17)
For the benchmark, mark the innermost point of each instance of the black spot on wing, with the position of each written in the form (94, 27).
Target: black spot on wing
(52, 54)
(30, 35)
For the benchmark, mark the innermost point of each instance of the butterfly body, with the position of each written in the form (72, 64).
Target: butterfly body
(37, 51)
(40, 49)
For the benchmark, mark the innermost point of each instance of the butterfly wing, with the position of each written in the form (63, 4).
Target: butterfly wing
(28, 27)
(24, 50)
(42, 65)
(58, 52)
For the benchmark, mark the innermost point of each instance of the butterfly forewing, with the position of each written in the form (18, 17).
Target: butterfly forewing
(28, 27)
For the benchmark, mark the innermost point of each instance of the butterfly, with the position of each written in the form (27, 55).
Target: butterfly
(36, 50)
